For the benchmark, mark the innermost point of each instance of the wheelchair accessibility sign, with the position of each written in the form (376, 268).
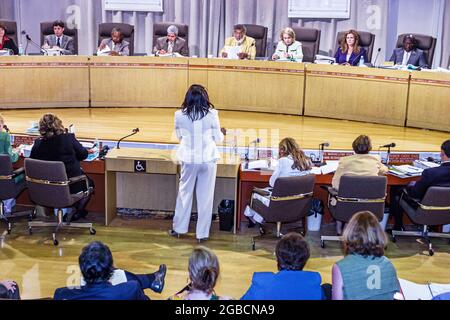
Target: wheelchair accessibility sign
(140, 166)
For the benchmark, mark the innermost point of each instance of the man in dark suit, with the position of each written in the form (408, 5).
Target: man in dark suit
(96, 264)
(409, 54)
(59, 40)
(434, 177)
(171, 44)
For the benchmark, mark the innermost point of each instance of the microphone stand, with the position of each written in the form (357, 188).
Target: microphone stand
(35, 44)
(388, 155)
(135, 131)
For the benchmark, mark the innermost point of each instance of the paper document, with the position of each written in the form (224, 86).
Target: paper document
(409, 170)
(104, 52)
(330, 167)
(414, 291)
(316, 170)
(259, 164)
(171, 55)
(425, 164)
(233, 52)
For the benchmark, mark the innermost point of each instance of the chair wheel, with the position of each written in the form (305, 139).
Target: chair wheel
(262, 231)
(92, 231)
(431, 252)
(322, 244)
(9, 228)
(253, 245)
(55, 242)
(30, 231)
(394, 239)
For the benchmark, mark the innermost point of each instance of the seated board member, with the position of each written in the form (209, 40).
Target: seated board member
(350, 52)
(409, 54)
(291, 282)
(57, 145)
(59, 40)
(97, 267)
(117, 45)
(7, 43)
(171, 44)
(246, 44)
(288, 48)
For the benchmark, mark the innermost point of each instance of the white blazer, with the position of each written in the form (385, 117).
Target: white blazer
(295, 49)
(198, 139)
(285, 170)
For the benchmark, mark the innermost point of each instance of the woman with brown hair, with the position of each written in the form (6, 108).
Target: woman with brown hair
(57, 145)
(365, 273)
(292, 162)
(7, 43)
(350, 53)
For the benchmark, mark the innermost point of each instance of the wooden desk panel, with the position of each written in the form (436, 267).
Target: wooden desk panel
(261, 86)
(361, 94)
(429, 101)
(42, 82)
(138, 81)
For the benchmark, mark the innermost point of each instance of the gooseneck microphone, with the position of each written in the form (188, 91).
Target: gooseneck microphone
(376, 58)
(391, 145)
(388, 146)
(255, 142)
(27, 36)
(135, 131)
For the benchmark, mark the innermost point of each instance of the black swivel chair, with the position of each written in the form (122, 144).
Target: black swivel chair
(104, 32)
(366, 41)
(9, 189)
(49, 187)
(160, 30)
(290, 202)
(356, 194)
(433, 210)
(259, 33)
(310, 39)
(11, 30)
(425, 43)
(47, 29)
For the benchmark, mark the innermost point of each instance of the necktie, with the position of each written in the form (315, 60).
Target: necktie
(170, 49)
(58, 42)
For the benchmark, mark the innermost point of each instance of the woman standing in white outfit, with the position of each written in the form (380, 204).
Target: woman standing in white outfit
(197, 127)
(292, 162)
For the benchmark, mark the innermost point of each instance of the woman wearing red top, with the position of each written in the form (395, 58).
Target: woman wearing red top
(5, 42)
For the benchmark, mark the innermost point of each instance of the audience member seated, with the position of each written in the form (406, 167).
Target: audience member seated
(5, 148)
(116, 44)
(292, 162)
(409, 54)
(350, 53)
(291, 282)
(6, 42)
(444, 296)
(59, 40)
(9, 290)
(171, 44)
(97, 268)
(433, 177)
(365, 273)
(204, 271)
(57, 145)
(288, 48)
(240, 39)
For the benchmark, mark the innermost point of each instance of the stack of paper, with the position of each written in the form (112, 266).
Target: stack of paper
(425, 164)
(258, 165)
(414, 291)
(406, 170)
(106, 51)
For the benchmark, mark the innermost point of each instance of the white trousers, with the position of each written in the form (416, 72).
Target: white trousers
(202, 178)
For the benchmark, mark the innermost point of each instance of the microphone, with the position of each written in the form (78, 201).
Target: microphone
(391, 145)
(6, 128)
(376, 58)
(320, 162)
(325, 144)
(27, 36)
(247, 154)
(135, 131)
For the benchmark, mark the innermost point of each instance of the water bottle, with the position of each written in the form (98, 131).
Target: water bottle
(21, 53)
(361, 62)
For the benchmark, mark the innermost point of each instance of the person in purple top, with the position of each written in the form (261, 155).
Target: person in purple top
(350, 53)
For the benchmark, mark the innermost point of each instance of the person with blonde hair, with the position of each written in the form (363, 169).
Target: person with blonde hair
(350, 52)
(57, 145)
(204, 271)
(365, 273)
(288, 48)
(292, 162)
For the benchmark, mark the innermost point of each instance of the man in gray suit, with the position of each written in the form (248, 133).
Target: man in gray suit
(409, 54)
(118, 46)
(59, 40)
(171, 44)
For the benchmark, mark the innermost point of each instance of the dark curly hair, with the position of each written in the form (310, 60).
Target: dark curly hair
(364, 236)
(96, 263)
(292, 252)
(50, 125)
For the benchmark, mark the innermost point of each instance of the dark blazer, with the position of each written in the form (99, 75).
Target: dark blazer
(417, 57)
(434, 177)
(285, 285)
(341, 57)
(65, 148)
(180, 46)
(130, 290)
(9, 44)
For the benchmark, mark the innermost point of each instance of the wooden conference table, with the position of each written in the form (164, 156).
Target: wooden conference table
(401, 98)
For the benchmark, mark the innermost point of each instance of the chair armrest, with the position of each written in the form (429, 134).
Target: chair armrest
(333, 192)
(18, 172)
(77, 179)
(261, 192)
